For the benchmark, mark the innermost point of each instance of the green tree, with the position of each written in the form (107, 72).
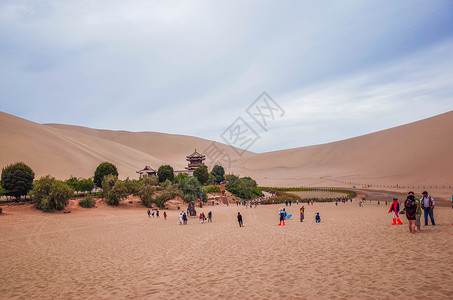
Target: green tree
(85, 185)
(231, 178)
(103, 170)
(180, 177)
(165, 173)
(218, 172)
(17, 179)
(72, 183)
(147, 189)
(2, 191)
(201, 173)
(114, 190)
(49, 194)
(191, 188)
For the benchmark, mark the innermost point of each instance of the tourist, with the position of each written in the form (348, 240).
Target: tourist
(410, 206)
(184, 218)
(201, 218)
(419, 211)
(165, 215)
(153, 213)
(281, 213)
(180, 221)
(149, 213)
(302, 211)
(240, 220)
(297, 201)
(157, 213)
(286, 202)
(290, 202)
(395, 208)
(317, 218)
(210, 217)
(427, 203)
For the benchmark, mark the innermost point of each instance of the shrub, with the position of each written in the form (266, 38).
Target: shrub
(245, 187)
(147, 189)
(212, 189)
(103, 170)
(180, 177)
(85, 185)
(114, 190)
(165, 173)
(87, 203)
(17, 179)
(170, 191)
(49, 194)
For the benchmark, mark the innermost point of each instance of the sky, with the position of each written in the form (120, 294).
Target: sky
(335, 69)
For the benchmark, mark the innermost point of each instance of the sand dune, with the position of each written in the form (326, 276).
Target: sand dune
(64, 151)
(419, 153)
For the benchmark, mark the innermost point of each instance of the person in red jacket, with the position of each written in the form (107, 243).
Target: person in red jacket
(395, 208)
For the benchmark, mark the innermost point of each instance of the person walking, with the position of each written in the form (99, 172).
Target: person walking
(281, 213)
(184, 218)
(395, 209)
(201, 218)
(240, 220)
(180, 221)
(210, 217)
(149, 213)
(165, 215)
(419, 211)
(302, 211)
(157, 213)
(410, 206)
(152, 213)
(427, 203)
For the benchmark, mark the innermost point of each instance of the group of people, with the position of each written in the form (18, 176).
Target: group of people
(414, 207)
(151, 213)
(203, 218)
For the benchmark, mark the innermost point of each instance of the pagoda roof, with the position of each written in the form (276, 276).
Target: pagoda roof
(196, 155)
(147, 169)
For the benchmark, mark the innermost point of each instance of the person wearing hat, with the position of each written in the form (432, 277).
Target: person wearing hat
(427, 203)
(395, 208)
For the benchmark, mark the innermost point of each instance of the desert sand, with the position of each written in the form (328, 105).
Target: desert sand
(120, 253)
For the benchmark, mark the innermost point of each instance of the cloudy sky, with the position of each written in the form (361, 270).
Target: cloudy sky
(337, 69)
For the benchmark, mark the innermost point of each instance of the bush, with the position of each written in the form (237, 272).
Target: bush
(146, 190)
(114, 190)
(245, 187)
(87, 203)
(104, 169)
(180, 177)
(169, 191)
(49, 194)
(85, 185)
(165, 173)
(17, 179)
(212, 189)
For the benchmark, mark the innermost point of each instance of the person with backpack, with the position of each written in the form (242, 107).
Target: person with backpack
(419, 211)
(395, 208)
(427, 203)
(410, 206)
(240, 220)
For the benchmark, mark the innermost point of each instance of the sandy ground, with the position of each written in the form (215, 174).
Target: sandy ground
(118, 253)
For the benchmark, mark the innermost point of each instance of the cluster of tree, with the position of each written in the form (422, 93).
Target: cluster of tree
(245, 187)
(49, 194)
(80, 184)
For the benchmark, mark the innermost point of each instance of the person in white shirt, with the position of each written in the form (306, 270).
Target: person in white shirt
(427, 203)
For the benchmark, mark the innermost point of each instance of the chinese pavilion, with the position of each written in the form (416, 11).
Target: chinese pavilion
(195, 160)
(147, 171)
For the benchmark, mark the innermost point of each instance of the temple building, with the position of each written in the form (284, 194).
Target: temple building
(195, 160)
(147, 171)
